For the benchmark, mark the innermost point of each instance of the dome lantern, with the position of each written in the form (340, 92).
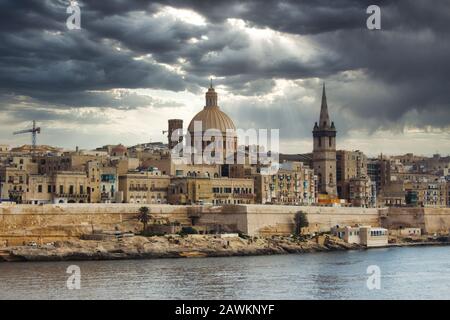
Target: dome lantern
(211, 97)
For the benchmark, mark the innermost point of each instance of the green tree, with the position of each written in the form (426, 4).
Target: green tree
(188, 230)
(144, 216)
(301, 221)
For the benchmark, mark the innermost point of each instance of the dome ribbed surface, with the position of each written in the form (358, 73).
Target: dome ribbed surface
(212, 118)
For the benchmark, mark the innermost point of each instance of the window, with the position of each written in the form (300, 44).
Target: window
(49, 188)
(70, 189)
(81, 190)
(61, 189)
(40, 188)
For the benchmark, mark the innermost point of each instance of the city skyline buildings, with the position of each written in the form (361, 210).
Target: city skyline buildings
(322, 114)
(98, 86)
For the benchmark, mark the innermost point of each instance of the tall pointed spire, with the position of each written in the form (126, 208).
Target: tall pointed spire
(210, 85)
(324, 121)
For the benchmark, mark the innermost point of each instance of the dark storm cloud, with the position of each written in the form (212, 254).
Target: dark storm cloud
(38, 62)
(28, 14)
(404, 67)
(300, 17)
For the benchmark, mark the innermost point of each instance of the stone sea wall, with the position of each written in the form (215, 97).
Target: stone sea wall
(430, 220)
(273, 219)
(48, 223)
(45, 223)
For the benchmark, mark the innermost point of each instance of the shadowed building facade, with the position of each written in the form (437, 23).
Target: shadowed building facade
(324, 151)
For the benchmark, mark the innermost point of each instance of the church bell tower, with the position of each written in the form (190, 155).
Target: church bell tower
(324, 151)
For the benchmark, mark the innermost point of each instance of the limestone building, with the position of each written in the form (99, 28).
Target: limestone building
(59, 187)
(70, 187)
(144, 187)
(324, 151)
(293, 184)
(426, 194)
(362, 192)
(349, 164)
(13, 183)
(109, 185)
(353, 181)
(379, 172)
(203, 190)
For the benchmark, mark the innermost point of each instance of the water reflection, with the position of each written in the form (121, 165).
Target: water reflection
(420, 273)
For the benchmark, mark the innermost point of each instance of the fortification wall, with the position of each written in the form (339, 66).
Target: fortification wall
(437, 220)
(228, 217)
(280, 219)
(47, 223)
(274, 219)
(60, 221)
(429, 220)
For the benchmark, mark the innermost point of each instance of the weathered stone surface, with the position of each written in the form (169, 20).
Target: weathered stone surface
(164, 247)
(21, 224)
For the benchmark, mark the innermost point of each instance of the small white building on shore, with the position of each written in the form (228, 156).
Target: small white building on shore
(365, 235)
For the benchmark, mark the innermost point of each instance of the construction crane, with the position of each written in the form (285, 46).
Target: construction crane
(34, 131)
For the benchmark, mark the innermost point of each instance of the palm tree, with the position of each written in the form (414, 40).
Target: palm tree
(144, 216)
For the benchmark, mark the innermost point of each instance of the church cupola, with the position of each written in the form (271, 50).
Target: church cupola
(211, 97)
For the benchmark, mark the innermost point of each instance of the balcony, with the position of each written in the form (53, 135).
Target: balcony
(222, 195)
(244, 195)
(154, 189)
(71, 195)
(138, 189)
(106, 196)
(16, 192)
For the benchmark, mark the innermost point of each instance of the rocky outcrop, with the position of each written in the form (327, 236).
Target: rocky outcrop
(172, 246)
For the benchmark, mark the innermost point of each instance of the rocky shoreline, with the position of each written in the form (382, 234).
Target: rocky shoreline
(174, 246)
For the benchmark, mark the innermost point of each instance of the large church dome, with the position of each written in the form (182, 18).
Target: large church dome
(211, 116)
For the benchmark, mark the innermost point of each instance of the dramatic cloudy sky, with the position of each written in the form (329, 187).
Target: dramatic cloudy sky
(134, 64)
